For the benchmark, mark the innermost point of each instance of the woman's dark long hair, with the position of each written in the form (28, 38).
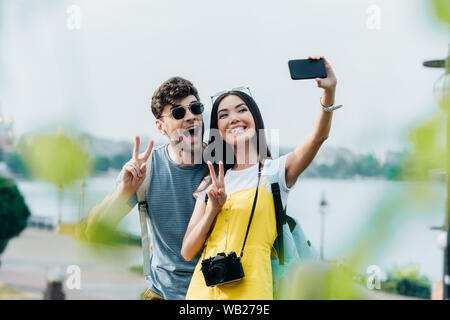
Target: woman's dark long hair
(210, 153)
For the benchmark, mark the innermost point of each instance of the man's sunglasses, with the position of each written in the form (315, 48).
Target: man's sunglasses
(179, 112)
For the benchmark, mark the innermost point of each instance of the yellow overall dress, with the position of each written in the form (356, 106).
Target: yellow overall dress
(228, 235)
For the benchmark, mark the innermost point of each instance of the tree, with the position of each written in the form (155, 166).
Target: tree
(15, 163)
(341, 168)
(119, 160)
(368, 166)
(392, 171)
(14, 212)
(102, 163)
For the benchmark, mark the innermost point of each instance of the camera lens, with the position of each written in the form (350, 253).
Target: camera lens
(218, 273)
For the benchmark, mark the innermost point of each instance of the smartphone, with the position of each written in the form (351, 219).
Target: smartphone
(307, 69)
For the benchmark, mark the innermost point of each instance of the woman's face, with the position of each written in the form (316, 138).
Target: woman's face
(235, 121)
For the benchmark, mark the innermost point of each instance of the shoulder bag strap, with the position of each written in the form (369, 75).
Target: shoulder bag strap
(141, 194)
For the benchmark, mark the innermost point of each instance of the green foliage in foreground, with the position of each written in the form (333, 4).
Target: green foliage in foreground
(104, 234)
(14, 212)
(442, 10)
(58, 158)
(139, 269)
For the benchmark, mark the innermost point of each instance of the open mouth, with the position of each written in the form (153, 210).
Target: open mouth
(192, 133)
(237, 130)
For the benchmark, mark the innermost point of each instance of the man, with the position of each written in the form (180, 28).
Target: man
(176, 171)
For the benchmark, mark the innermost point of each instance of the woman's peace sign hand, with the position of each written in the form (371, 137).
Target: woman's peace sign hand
(134, 171)
(216, 193)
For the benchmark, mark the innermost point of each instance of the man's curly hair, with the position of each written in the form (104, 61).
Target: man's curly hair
(169, 92)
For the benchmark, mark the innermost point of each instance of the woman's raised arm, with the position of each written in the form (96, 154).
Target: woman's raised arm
(305, 152)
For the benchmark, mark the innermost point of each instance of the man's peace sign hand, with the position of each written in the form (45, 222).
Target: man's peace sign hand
(134, 171)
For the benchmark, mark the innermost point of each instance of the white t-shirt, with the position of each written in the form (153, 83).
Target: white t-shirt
(238, 180)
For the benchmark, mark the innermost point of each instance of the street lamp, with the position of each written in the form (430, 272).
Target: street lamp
(323, 209)
(60, 197)
(442, 96)
(82, 200)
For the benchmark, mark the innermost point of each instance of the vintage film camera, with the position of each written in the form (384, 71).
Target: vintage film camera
(222, 269)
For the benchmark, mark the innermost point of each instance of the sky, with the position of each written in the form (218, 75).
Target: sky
(99, 78)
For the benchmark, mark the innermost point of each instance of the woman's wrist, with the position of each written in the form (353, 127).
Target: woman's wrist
(212, 211)
(327, 98)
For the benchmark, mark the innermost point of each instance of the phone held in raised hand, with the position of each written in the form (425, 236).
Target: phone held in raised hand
(307, 69)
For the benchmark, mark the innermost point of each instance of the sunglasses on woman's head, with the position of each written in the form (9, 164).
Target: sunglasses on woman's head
(241, 89)
(179, 112)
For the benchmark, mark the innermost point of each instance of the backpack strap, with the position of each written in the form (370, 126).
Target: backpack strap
(141, 194)
(279, 212)
(281, 218)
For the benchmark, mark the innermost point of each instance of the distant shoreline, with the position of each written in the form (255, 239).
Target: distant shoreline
(115, 173)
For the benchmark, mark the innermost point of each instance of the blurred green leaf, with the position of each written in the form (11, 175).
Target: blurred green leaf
(56, 158)
(428, 140)
(442, 10)
(319, 281)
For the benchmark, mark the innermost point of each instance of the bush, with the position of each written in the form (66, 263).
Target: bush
(14, 212)
(407, 282)
(3, 244)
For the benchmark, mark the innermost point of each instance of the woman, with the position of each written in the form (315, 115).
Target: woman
(225, 204)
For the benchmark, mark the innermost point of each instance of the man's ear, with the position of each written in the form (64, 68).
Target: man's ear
(161, 126)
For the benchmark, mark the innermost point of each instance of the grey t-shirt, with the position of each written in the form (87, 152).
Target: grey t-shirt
(170, 207)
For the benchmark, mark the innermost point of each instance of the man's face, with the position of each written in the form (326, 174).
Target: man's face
(187, 131)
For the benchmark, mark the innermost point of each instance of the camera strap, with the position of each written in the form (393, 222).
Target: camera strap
(253, 209)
